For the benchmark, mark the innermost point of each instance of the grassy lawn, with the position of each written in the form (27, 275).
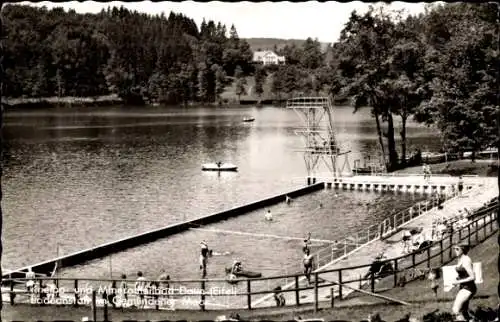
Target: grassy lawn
(459, 167)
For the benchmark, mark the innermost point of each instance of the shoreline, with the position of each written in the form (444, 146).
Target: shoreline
(69, 101)
(16, 103)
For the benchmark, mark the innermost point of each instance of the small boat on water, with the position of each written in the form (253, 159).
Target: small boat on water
(248, 119)
(219, 166)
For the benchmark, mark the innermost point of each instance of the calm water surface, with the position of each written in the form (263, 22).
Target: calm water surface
(76, 178)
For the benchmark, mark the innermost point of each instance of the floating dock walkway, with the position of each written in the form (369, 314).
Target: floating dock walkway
(400, 183)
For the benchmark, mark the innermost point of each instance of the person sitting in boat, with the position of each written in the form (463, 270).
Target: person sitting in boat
(236, 268)
(219, 163)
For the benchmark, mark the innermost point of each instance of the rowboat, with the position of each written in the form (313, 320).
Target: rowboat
(248, 119)
(219, 166)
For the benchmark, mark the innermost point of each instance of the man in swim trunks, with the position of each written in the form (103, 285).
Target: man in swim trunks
(204, 257)
(269, 216)
(308, 265)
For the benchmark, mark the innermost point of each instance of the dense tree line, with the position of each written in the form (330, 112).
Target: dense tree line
(439, 68)
(136, 56)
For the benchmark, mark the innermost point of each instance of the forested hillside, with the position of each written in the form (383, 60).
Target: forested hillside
(137, 56)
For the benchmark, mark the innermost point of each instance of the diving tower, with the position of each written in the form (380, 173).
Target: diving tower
(318, 133)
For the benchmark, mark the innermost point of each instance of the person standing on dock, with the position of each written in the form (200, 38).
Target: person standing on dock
(308, 265)
(460, 185)
(124, 290)
(30, 280)
(204, 258)
(140, 288)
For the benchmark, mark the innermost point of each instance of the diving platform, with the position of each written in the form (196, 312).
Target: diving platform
(318, 133)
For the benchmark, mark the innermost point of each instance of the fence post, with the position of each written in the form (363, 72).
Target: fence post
(249, 295)
(468, 233)
(429, 257)
(202, 302)
(441, 251)
(395, 272)
(332, 296)
(484, 228)
(297, 297)
(11, 293)
(372, 280)
(412, 259)
(56, 282)
(340, 284)
(105, 309)
(451, 244)
(477, 231)
(460, 234)
(94, 306)
(40, 290)
(76, 292)
(316, 302)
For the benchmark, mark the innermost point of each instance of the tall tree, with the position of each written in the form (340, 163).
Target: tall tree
(365, 43)
(240, 82)
(462, 63)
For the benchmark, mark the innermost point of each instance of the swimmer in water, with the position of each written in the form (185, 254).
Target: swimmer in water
(269, 216)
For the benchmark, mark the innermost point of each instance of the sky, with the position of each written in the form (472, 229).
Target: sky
(285, 20)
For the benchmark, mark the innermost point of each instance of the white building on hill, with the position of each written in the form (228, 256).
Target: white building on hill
(268, 57)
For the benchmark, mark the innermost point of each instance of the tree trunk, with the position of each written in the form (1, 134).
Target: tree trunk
(380, 139)
(391, 143)
(403, 138)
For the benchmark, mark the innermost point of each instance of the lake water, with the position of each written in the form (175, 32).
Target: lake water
(76, 178)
